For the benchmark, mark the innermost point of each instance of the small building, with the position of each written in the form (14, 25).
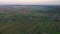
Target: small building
(56, 18)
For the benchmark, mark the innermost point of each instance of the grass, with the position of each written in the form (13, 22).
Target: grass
(24, 25)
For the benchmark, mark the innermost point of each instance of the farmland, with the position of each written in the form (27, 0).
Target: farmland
(28, 20)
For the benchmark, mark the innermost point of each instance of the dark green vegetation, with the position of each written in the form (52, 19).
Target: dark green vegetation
(29, 21)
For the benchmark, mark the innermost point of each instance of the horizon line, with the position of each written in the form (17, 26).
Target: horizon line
(18, 4)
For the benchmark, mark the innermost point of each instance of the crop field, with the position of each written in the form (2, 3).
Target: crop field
(28, 23)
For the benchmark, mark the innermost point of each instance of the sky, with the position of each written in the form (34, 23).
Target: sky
(30, 2)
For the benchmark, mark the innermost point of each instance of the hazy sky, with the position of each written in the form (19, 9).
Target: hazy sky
(33, 2)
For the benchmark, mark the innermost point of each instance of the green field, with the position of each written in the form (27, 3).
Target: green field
(29, 19)
(23, 24)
